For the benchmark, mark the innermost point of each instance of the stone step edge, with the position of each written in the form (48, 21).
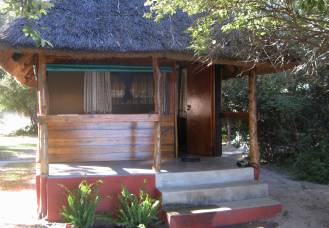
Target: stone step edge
(204, 171)
(175, 179)
(220, 207)
(193, 188)
(237, 212)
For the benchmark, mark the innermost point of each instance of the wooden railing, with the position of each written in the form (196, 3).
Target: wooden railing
(107, 137)
(99, 117)
(235, 115)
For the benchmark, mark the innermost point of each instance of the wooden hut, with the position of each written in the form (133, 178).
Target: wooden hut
(116, 87)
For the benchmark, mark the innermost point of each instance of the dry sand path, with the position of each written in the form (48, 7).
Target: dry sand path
(305, 204)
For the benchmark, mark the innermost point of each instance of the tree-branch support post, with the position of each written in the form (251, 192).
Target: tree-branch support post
(252, 116)
(158, 109)
(42, 134)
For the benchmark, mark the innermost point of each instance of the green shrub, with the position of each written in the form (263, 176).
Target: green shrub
(81, 204)
(135, 211)
(30, 130)
(312, 166)
(293, 120)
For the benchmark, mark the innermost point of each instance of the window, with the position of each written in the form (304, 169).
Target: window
(105, 91)
(118, 92)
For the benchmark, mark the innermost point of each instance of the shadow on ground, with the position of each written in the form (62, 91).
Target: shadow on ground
(17, 151)
(17, 176)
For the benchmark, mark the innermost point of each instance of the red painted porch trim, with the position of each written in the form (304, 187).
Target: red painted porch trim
(109, 190)
(216, 219)
(42, 196)
(256, 171)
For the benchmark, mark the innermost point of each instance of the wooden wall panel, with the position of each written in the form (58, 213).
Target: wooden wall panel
(82, 138)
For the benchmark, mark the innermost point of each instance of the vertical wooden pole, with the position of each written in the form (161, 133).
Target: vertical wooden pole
(43, 134)
(175, 106)
(228, 127)
(158, 109)
(43, 110)
(252, 108)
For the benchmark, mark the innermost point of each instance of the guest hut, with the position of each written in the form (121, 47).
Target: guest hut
(122, 98)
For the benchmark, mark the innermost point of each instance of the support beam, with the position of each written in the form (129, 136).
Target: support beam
(158, 109)
(252, 110)
(42, 134)
(175, 105)
(235, 115)
(43, 110)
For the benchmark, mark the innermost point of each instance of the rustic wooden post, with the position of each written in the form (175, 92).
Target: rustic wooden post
(252, 108)
(158, 109)
(43, 133)
(174, 104)
(228, 128)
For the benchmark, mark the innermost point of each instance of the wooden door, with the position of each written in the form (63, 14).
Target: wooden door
(200, 110)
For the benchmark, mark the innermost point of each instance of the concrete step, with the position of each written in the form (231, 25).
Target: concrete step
(204, 177)
(208, 194)
(229, 213)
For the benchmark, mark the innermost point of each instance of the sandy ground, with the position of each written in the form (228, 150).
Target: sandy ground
(304, 204)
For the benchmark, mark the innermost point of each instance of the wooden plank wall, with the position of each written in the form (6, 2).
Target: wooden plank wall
(80, 138)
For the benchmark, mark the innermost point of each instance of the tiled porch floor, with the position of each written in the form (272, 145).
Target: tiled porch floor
(227, 161)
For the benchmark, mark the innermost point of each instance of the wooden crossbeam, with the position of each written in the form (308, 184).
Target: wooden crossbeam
(235, 115)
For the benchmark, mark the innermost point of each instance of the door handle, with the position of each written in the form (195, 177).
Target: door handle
(188, 107)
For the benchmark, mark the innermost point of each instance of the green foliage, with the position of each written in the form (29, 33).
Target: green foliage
(81, 204)
(17, 97)
(31, 10)
(293, 121)
(312, 164)
(27, 131)
(274, 30)
(136, 211)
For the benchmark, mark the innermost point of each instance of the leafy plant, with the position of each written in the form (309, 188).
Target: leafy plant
(81, 204)
(136, 211)
(312, 163)
(30, 130)
(293, 120)
(17, 97)
(258, 30)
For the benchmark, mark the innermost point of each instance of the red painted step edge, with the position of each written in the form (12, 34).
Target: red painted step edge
(216, 219)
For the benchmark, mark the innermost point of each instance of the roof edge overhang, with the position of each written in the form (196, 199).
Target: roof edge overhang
(19, 61)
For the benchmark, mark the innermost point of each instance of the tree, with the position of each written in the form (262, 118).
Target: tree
(293, 121)
(13, 95)
(273, 30)
(16, 97)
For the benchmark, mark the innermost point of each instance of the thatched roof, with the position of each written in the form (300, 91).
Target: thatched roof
(103, 25)
(107, 27)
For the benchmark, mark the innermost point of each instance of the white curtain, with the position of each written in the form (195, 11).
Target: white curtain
(97, 92)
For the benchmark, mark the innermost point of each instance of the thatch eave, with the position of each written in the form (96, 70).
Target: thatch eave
(22, 68)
